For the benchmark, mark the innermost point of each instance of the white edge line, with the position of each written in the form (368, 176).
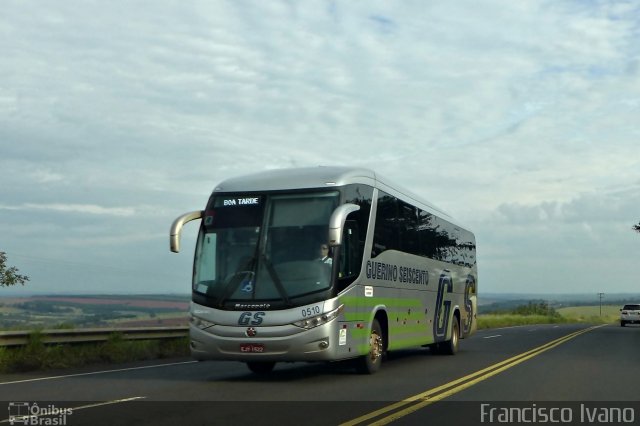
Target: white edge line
(115, 401)
(22, 419)
(95, 372)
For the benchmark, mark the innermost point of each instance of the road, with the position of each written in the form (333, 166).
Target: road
(572, 367)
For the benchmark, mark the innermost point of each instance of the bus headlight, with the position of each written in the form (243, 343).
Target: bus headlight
(309, 323)
(199, 322)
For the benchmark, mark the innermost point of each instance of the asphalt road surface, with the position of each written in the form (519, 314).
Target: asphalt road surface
(575, 374)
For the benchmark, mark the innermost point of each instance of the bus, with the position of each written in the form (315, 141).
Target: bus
(326, 264)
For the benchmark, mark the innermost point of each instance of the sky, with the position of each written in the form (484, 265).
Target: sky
(520, 118)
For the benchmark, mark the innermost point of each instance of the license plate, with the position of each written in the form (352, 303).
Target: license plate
(252, 348)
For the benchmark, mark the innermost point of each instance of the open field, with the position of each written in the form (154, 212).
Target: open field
(586, 314)
(134, 302)
(93, 311)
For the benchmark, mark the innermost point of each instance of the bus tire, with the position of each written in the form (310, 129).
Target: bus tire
(261, 367)
(450, 347)
(370, 363)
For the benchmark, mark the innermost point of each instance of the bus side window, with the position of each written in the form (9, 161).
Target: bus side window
(350, 254)
(385, 233)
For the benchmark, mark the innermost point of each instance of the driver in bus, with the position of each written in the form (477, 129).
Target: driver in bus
(325, 254)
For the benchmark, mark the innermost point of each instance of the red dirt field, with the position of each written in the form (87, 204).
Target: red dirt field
(166, 304)
(168, 322)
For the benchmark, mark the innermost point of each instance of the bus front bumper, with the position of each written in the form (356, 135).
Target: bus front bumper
(281, 343)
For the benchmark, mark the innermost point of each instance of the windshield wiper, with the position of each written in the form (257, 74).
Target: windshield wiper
(276, 281)
(235, 280)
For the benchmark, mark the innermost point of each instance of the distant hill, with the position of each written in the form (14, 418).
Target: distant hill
(77, 311)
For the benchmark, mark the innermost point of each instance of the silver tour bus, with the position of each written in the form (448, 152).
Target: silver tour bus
(326, 264)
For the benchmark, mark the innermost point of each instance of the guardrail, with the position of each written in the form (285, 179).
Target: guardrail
(87, 335)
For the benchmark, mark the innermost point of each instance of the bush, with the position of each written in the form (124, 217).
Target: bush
(536, 308)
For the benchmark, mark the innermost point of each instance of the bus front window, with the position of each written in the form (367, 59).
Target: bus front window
(264, 252)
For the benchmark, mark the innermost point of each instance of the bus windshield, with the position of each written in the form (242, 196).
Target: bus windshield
(264, 250)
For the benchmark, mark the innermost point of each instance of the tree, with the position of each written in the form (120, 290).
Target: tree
(9, 275)
(636, 227)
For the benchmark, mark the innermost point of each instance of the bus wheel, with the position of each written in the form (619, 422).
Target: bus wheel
(450, 347)
(261, 367)
(371, 362)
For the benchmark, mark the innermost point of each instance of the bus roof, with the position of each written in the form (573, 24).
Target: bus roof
(320, 177)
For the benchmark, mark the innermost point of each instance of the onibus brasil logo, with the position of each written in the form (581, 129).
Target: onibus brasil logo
(27, 413)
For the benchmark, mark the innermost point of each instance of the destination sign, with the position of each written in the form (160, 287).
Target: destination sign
(247, 201)
(233, 211)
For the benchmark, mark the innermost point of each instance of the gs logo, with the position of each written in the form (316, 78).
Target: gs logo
(249, 318)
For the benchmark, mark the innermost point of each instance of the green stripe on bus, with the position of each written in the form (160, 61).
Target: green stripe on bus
(359, 333)
(395, 332)
(363, 349)
(393, 317)
(403, 316)
(374, 301)
(353, 316)
(403, 329)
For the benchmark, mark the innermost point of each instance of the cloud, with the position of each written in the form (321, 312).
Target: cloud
(517, 117)
(74, 208)
(556, 246)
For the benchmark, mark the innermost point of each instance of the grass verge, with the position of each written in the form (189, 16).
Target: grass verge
(38, 356)
(511, 320)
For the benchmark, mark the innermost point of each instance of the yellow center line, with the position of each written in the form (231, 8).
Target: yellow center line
(438, 393)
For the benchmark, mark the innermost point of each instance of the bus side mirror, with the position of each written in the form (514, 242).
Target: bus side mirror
(336, 223)
(176, 228)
